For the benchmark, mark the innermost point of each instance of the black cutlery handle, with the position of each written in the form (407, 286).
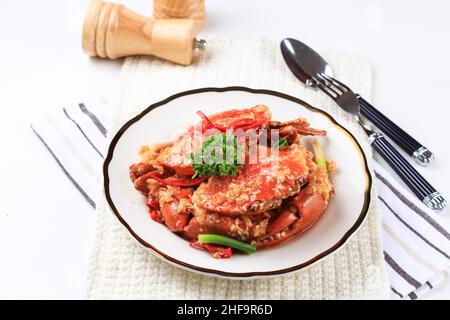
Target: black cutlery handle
(421, 187)
(420, 153)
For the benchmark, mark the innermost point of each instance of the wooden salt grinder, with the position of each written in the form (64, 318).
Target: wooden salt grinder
(111, 30)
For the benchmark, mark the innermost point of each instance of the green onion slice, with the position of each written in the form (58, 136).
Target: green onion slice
(281, 143)
(227, 241)
(319, 155)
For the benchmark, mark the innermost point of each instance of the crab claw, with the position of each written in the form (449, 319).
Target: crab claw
(283, 221)
(243, 228)
(176, 207)
(303, 211)
(201, 224)
(174, 220)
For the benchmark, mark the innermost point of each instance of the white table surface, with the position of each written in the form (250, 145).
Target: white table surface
(46, 228)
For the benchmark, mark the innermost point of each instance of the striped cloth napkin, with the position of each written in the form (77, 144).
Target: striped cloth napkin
(416, 246)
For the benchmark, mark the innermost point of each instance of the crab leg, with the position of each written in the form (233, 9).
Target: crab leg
(290, 129)
(311, 132)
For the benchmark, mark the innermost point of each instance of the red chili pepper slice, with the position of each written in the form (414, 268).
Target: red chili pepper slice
(243, 124)
(178, 182)
(210, 123)
(216, 251)
(152, 203)
(238, 123)
(155, 216)
(254, 125)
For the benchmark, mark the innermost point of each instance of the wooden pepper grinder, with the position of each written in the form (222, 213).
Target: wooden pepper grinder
(180, 9)
(111, 30)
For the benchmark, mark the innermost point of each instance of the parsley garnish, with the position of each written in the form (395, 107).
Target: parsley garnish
(220, 154)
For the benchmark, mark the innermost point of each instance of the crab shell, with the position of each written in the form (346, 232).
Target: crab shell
(258, 187)
(176, 157)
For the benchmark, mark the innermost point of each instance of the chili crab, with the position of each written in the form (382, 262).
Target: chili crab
(262, 203)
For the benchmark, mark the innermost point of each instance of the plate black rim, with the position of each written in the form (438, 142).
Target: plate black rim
(185, 265)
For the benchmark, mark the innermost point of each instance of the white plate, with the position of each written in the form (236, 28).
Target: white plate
(163, 120)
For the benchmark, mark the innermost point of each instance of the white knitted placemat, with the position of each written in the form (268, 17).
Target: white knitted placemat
(122, 269)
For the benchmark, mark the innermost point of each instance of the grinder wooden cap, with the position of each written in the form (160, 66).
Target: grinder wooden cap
(180, 9)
